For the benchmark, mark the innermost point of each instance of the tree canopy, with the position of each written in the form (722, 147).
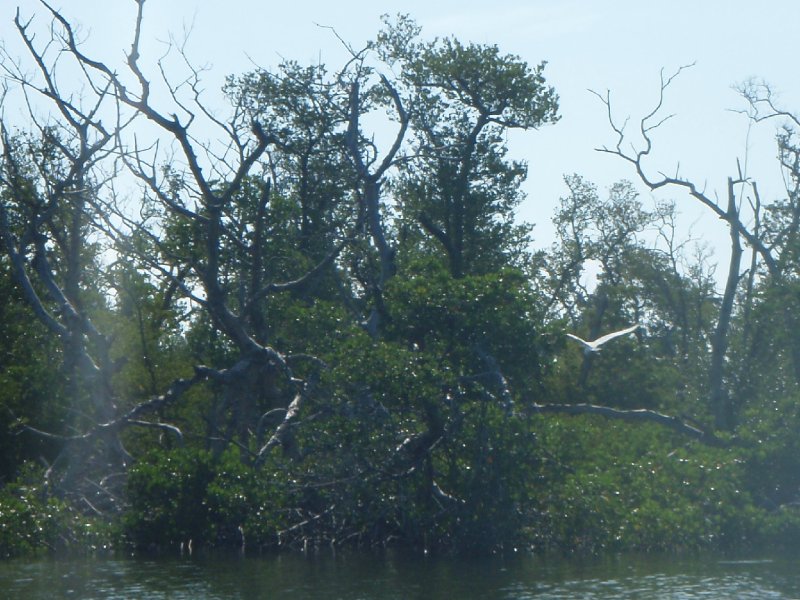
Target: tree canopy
(317, 319)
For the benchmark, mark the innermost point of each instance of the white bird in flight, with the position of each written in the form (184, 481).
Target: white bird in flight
(594, 346)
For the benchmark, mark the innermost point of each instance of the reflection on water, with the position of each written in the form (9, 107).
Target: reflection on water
(395, 576)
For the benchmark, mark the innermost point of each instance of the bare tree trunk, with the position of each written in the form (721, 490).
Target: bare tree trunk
(719, 397)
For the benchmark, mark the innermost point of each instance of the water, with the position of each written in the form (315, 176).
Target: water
(394, 576)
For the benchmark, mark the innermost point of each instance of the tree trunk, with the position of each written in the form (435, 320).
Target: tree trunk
(719, 398)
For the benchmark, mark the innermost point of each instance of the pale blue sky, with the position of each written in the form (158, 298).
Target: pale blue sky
(618, 45)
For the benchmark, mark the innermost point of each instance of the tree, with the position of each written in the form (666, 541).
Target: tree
(59, 197)
(719, 397)
(460, 189)
(656, 287)
(50, 179)
(358, 323)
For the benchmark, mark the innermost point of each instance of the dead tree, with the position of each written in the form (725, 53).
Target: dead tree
(737, 189)
(44, 208)
(50, 177)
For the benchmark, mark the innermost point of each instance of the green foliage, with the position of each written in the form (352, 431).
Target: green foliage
(460, 193)
(773, 451)
(28, 392)
(187, 495)
(28, 524)
(619, 487)
(34, 522)
(379, 312)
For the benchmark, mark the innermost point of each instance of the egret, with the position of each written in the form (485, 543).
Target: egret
(594, 346)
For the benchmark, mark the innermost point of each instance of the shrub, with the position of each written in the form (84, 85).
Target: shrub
(188, 494)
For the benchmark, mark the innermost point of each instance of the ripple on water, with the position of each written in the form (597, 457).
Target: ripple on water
(394, 576)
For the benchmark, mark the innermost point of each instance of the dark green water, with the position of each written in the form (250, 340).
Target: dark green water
(391, 576)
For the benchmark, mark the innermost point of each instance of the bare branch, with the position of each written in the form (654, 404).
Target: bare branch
(639, 415)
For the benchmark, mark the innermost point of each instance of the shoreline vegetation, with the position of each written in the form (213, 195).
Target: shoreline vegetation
(185, 501)
(314, 320)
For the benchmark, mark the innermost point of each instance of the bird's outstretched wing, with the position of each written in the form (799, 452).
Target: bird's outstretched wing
(577, 339)
(594, 345)
(610, 336)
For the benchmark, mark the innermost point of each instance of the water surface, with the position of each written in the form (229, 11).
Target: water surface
(396, 576)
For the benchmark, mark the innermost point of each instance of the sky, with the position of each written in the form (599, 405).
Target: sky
(620, 46)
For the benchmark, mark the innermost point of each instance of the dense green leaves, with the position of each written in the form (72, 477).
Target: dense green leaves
(318, 337)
